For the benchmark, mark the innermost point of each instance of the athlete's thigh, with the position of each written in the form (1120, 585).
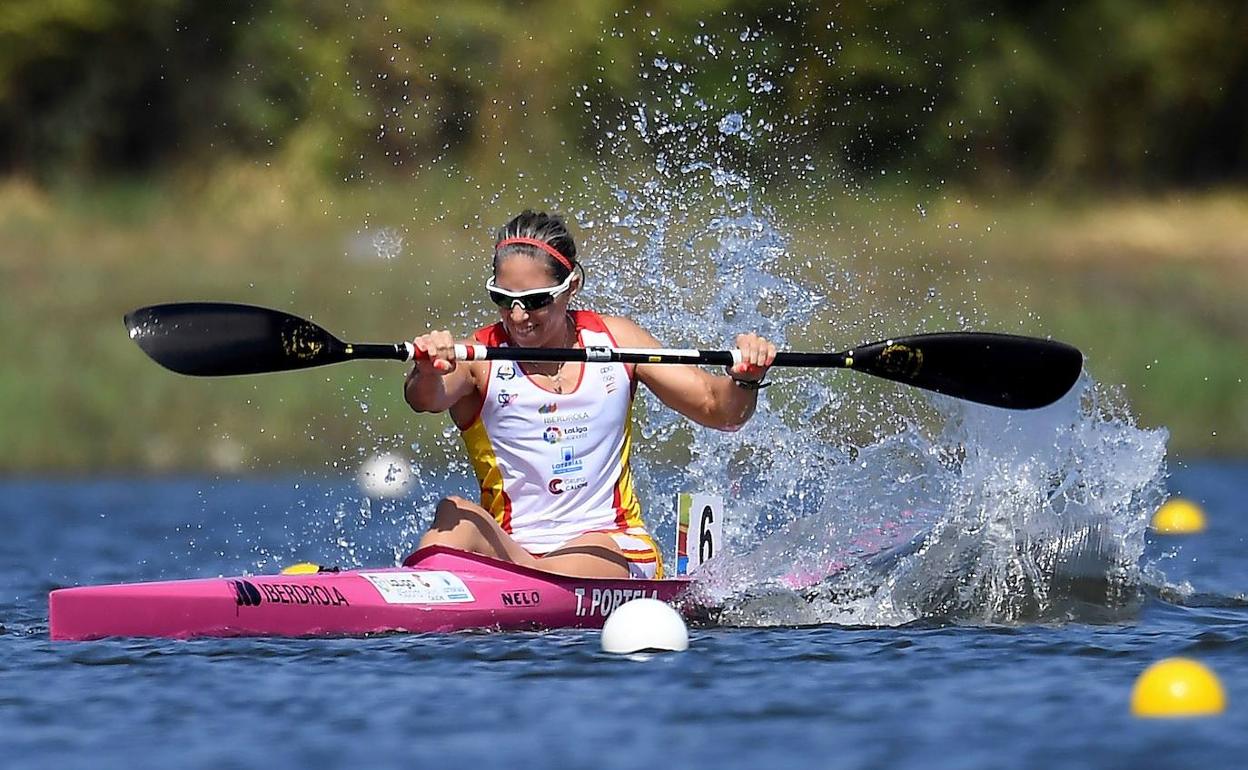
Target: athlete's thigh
(594, 554)
(487, 536)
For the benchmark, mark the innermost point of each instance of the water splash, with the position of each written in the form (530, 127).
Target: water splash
(850, 501)
(1023, 517)
(388, 243)
(731, 124)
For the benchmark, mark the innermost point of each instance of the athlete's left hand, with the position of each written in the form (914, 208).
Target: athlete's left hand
(756, 357)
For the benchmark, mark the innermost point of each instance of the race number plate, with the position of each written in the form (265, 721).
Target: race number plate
(699, 530)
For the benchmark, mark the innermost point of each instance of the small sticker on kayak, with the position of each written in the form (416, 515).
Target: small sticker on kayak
(419, 587)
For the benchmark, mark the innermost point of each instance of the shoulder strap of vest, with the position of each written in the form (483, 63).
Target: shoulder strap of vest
(493, 335)
(590, 321)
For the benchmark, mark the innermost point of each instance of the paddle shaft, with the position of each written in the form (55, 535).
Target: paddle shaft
(213, 339)
(405, 351)
(605, 354)
(601, 354)
(598, 354)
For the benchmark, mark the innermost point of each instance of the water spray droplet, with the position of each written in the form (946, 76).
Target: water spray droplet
(731, 124)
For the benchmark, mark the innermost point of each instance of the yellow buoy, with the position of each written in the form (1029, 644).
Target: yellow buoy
(1179, 517)
(302, 568)
(1177, 687)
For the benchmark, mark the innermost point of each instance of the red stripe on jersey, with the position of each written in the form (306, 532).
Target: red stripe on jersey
(506, 522)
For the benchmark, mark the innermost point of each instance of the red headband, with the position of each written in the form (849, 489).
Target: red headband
(543, 245)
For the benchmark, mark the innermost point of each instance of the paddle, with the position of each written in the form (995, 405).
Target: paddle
(212, 339)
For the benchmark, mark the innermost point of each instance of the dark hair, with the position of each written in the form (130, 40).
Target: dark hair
(548, 228)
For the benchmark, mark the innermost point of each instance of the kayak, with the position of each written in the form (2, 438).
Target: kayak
(438, 589)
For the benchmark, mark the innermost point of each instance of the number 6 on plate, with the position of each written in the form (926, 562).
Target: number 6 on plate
(699, 530)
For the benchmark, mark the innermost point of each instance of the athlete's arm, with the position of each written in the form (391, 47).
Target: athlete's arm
(712, 400)
(437, 382)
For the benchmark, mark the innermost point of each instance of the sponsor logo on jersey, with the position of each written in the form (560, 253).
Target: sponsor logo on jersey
(608, 379)
(569, 463)
(505, 398)
(548, 408)
(559, 484)
(554, 434)
(581, 416)
(506, 371)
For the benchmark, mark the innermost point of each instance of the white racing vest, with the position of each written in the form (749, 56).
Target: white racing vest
(553, 466)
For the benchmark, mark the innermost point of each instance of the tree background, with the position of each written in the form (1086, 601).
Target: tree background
(1076, 169)
(1107, 92)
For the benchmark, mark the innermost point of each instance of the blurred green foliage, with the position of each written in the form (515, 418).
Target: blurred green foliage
(1109, 92)
(1150, 288)
(1050, 163)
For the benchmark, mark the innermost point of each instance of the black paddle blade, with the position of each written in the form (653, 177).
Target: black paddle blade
(996, 369)
(216, 339)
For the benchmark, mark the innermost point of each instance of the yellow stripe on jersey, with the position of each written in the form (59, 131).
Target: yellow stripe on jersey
(625, 494)
(485, 465)
(639, 548)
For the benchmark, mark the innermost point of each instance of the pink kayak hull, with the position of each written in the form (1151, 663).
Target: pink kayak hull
(439, 590)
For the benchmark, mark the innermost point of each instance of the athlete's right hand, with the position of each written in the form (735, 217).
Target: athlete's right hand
(438, 349)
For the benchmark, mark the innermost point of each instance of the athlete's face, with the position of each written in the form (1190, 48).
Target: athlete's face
(545, 326)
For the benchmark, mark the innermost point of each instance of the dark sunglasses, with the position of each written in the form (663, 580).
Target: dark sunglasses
(533, 299)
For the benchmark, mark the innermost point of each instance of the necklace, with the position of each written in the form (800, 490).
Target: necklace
(556, 379)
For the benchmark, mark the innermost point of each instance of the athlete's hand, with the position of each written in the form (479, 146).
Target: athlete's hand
(756, 357)
(435, 352)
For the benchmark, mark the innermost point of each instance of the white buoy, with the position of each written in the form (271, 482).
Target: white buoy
(644, 624)
(386, 475)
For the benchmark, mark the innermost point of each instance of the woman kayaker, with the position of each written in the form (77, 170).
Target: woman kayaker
(550, 442)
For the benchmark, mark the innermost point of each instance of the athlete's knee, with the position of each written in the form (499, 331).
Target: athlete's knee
(454, 502)
(454, 510)
(599, 540)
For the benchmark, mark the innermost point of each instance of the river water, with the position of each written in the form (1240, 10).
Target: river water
(909, 582)
(944, 691)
